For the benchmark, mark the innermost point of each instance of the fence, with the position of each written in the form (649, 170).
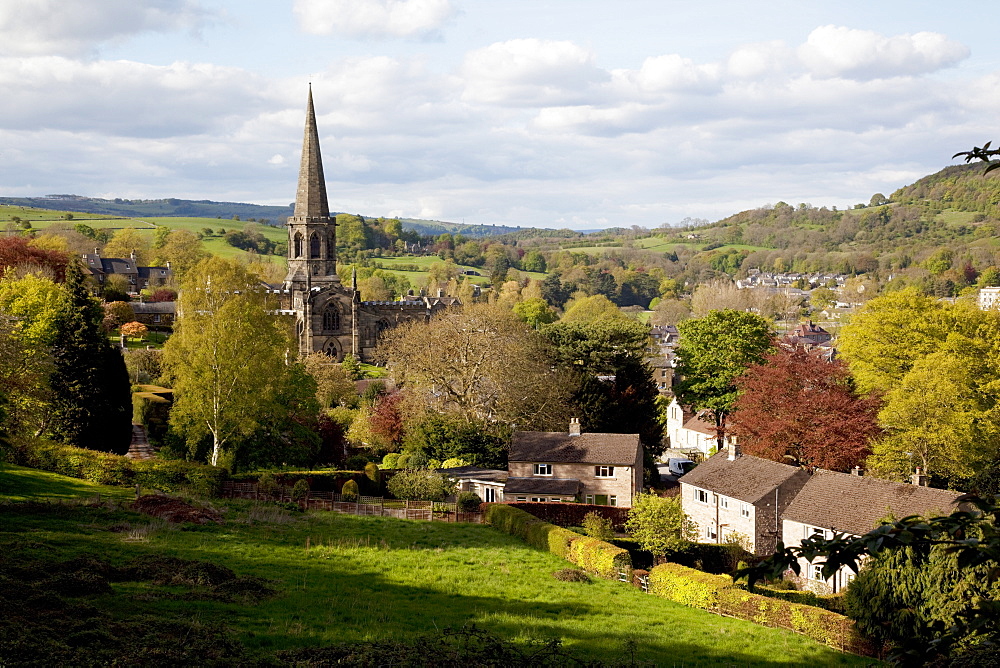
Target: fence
(376, 506)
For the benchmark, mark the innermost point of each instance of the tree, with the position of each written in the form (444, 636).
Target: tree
(420, 485)
(225, 357)
(480, 362)
(713, 351)
(591, 309)
(91, 396)
(798, 408)
(116, 314)
(134, 330)
(445, 436)
(17, 253)
(951, 608)
(599, 346)
(533, 261)
(126, 242)
(535, 311)
(659, 524)
(822, 298)
(182, 250)
(333, 384)
(670, 312)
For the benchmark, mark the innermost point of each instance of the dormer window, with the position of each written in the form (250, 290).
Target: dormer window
(543, 469)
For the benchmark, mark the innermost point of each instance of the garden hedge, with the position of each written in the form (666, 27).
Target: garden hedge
(319, 481)
(718, 593)
(105, 468)
(572, 514)
(590, 554)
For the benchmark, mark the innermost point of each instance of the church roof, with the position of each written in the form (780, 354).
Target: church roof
(310, 197)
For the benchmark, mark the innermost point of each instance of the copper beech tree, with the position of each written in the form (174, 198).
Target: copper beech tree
(798, 408)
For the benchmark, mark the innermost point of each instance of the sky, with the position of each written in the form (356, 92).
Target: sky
(549, 113)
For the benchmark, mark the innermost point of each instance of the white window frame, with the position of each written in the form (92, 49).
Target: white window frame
(491, 494)
(521, 499)
(613, 500)
(816, 572)
(745, 510)
(538, 499)
(724, 502)
(702, 496)
(589, 499)
(543, 469)
(604, 471)
(555, 500)
(711, 533)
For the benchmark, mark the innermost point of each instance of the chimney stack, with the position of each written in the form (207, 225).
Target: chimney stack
(856, 471)
(734, 450)
(574, 426)
(919, 478)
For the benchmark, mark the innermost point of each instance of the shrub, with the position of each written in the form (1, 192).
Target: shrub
(597, 526)
(659, 524)
(403, 461)
(371, 471)
(390, 461)
(349, 492)
(453, 463)
(687, 585)
(592, 555)
(357, 462)
(420, 485)
(571, 575)
(469, 502)
(267, 486)
(300, 490)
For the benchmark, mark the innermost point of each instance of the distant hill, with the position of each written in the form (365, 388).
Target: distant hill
(185, 208)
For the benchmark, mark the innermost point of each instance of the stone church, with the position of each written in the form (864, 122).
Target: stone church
(330, 317)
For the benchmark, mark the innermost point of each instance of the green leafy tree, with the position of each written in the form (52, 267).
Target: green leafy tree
(182, 250)
(535, 311)
(591, 309)
(420, 485)
(597, 526)
(91, 396)
(533, 261)
(334, 386)
(659, 524)
(713, 352)
(224, 356)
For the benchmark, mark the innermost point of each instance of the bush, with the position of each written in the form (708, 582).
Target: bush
(403, 461)
(453, 463)
(390, 461)
(597, 526)
(571, 575)
(719, 594)
(420, 485)
(267, 486)
(349, 492)
(300, 490)
(371, 472)
(357, 462)
(469, 502)
(594, 556)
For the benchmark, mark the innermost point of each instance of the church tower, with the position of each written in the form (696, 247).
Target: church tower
(312, 233)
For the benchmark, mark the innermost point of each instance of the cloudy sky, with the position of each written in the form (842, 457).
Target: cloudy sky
(552, 113)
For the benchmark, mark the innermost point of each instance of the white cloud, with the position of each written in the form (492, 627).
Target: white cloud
(373, 18)
(530, 72)
(74, 27)
(672, 72)
(276, 159)
(833, 51)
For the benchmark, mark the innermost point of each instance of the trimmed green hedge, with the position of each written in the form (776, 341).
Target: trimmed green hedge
(831, 602)
(319, 481)
(590, 554)
(718, 593)
(105, 468)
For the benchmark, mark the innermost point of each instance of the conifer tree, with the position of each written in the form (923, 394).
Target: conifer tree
(91, 403)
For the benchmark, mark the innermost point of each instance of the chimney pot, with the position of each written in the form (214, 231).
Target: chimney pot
(919, 478)
(574, 426)
(734, 451)
(856, 471)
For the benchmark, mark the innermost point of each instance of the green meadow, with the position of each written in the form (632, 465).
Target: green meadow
(346, 579)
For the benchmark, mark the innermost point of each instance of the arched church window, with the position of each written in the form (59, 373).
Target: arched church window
(314, 245)
(297, 243)
(331, 319)
(381, 326)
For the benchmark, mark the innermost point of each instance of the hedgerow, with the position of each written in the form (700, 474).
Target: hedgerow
(718, 593)
(590, 554)
(109, 469)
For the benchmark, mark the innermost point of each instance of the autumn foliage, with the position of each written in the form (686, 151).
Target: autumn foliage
(18, 252)
(798, 408)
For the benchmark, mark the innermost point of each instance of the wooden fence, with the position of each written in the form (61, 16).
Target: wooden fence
(364, 505)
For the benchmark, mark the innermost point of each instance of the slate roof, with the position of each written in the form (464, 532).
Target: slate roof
(158, 272)
(856, 505)
(747, 478)
(554, 486)
(558, 446)
(153, 307)
(475, 473)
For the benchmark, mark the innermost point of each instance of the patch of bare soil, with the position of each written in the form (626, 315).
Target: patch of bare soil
(175, 510)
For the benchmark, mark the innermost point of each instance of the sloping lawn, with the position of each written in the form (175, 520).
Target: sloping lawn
(343, 578)
(18, 483)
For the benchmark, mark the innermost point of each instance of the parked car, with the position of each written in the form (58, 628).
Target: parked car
(678, 466)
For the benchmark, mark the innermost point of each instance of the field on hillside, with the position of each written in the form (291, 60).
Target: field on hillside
(425, 261)
(343, 578)
(46, 216)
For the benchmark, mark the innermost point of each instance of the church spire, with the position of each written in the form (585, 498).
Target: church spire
(310, 198)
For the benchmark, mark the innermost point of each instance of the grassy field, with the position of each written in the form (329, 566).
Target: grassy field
(18, 483)
(343, 578)
(47, 216)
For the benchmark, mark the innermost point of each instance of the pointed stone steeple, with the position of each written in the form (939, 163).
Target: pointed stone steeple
(310, 198)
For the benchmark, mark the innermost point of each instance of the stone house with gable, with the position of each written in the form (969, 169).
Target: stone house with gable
(687, 430)
(602, 469)
(732, 493)
(853, 504)
(138, 278)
